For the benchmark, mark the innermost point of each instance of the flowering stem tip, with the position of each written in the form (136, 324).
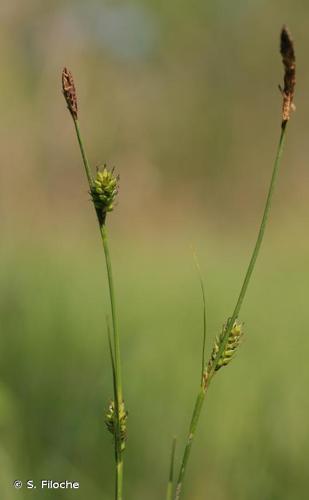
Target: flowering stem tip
(69, 92)
(288, 59)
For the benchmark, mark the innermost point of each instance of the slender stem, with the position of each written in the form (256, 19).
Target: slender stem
(116, 363)
(263, 225)
(256, 249)
(204, 330)
(204, 387)
(103, 232)
(117, 438)
(83, 152)
(169, 491)
(116, 367)
(192, 429)
(119, 478)
(113, 309)
(197, 265)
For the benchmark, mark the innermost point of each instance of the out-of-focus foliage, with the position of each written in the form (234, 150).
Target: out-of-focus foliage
(182, 97)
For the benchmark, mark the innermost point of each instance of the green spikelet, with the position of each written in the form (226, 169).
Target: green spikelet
(230, 348)
(110, 420)
(104, 191)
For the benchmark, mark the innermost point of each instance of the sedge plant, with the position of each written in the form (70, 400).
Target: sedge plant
(228, 341)
(103, 188)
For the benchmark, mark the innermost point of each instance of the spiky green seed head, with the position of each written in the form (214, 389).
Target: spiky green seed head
(104, 192)
(111, 424)
(232, 343)
(230, 348)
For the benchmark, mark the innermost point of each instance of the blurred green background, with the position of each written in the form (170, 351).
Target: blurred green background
(182, 97)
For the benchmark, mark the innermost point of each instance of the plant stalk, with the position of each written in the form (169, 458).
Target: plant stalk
(192, 429)
(119, 478)
(169, 491)
(83, 153)
(203, 389)
(117, 366)
(103, 231)
(257, 247)
(116, 359)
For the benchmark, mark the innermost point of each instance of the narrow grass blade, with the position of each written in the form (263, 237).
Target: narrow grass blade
(169, 492)
(197, 265)
(111, 355)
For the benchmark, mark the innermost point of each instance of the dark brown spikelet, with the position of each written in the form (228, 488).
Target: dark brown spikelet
(69, 92)
(288, 59)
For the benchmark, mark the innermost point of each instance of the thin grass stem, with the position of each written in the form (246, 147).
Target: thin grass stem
(83, 153)
(111, 355)
(256, 249)
(203, 389)
(119, 478)
(169, 491)
(116, 362)
(192, 429)
(197, 265)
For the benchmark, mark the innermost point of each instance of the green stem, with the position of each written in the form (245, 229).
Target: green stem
(117, 363)
(83, 152)
(192, 429)
(113, 309)
(256, 249)
(205, 385)
(169, 491)
(117, 367)
(117, 436)
(119, 479)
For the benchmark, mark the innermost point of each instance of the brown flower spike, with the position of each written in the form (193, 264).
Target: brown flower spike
(288, 59)
(69, 92)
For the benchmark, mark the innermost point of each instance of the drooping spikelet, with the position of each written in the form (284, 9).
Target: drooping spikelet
(104, 192)
(69, 92)
(288, 59)
(231, 346)
(110, 420)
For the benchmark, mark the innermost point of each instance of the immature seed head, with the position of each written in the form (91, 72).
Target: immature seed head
(104, 191)
(110, 420)
(69, 92)
(230, 348)
(288, 59)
